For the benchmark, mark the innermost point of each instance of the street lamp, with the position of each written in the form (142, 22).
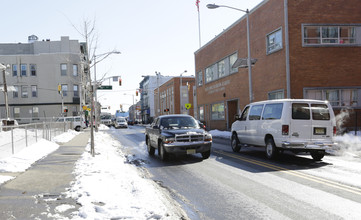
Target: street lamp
(249, 62)
(104, 55)
(158, 74)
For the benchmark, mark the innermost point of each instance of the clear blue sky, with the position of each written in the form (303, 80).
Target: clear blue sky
(158, 35)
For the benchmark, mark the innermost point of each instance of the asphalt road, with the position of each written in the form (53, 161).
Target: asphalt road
(245, 185)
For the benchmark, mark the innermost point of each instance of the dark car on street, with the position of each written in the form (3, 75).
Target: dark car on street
(177, 135)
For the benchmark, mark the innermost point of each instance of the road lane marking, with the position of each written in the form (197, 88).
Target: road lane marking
(295, 173)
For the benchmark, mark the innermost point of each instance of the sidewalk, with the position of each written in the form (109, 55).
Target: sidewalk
(35, 193)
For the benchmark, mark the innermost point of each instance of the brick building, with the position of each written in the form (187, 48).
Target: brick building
(303, 49)
(171, 102)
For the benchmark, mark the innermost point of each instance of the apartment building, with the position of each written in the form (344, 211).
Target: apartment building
(299, 49)
(177, 96)
(36, 70)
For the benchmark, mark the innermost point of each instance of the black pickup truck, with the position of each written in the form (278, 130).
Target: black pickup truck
(177, 134)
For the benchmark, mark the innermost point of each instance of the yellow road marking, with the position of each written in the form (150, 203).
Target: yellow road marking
(295, 173)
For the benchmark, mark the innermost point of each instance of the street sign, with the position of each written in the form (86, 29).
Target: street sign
(105, 87)
(188, 106)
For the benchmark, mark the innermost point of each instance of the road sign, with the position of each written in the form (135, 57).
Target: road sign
(188, 106)
(105, 87)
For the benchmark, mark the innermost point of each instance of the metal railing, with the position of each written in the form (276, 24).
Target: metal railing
(17, 137)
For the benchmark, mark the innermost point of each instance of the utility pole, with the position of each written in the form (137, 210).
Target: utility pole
(3, 67)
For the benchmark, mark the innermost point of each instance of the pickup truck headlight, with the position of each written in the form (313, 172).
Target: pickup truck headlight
(208, 137)
(169, 140)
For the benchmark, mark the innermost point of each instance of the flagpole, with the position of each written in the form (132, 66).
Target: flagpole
(199, 23)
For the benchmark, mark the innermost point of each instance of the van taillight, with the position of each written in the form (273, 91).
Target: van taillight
(285, 129)
(334, 130)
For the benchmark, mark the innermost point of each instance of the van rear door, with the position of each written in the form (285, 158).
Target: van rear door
(301, 123)
(322, 127)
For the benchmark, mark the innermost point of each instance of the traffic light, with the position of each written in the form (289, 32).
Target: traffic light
(136, 93)
(166, 110)
(120, 82)
(65, 110)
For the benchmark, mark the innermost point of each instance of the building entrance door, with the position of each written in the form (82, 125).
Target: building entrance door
(232, 110)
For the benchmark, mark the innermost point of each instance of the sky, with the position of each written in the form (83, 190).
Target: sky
(159, 35)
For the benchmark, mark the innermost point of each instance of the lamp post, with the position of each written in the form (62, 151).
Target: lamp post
(181, 93)
(104, 55)
(3, 68)
(158, 74)
(249, 63)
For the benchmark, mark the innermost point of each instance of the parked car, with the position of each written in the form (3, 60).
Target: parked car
(106, 119)
(77, 122)
(297, 125)
(120, 122)
(177, 134)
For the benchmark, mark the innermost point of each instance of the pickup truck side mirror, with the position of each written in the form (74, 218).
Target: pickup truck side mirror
(236, 117)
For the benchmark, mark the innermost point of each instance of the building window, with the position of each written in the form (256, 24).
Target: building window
(330, 35)
(24, 91)
(33, 69)
(217, 111)
(210, 74)
(63, 69)
(75, 70)
(200, 78)
(23, 68)
(16, 92)
(35, 112)
(76, 90)
(15, 70)
(348, 97)
(201, 113)
(34, 91)
(64, 89)
(232, 59)
(279, 94)
(274, 41)
(16, 112)
(221, 68)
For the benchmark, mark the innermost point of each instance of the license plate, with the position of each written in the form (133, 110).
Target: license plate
(191, 151)
(319, 131)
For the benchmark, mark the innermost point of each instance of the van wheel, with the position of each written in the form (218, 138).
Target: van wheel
(236, 147)
(162, 153)
(150, 149)
(77, 128)
(317, 155)
(271, 150)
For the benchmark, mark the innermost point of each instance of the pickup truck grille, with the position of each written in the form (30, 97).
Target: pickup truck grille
(189, 138)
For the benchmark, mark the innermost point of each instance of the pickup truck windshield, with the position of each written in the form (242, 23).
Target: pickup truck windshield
(178, 123)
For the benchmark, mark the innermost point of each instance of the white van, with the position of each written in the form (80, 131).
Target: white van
(77, 122)
(298, 125)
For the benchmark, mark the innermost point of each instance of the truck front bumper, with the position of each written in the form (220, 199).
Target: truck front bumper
(188, 147)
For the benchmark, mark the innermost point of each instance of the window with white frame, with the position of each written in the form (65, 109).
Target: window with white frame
(15, 70)
(32, 69)
(63, 69)
(23, 68)
(274, 41)
(35, 112)
(331, 35)
(16, 112)
(34, 91)
(16, 92)
(76, 90)
(24, 92)
(348, 97)
(217, 111)
(75, 70)
(279, 94)
(200, 78)
(64, 89)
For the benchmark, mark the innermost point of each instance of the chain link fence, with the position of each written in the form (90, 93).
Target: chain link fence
(17, 137)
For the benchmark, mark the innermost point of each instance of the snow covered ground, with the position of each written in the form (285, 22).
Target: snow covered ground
(127, 194)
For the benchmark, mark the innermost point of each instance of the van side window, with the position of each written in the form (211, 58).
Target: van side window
(300, 111)
(244, 114)
(255, 113)
(272, 111)
(320, 112)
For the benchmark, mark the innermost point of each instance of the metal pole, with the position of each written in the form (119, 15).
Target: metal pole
(180, 95)
(12, 141)
(6, 93)
(249, 60)
(95, 95)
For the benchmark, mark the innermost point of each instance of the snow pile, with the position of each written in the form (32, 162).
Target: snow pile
(109, 188)
(220, 134)
(66, 136)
